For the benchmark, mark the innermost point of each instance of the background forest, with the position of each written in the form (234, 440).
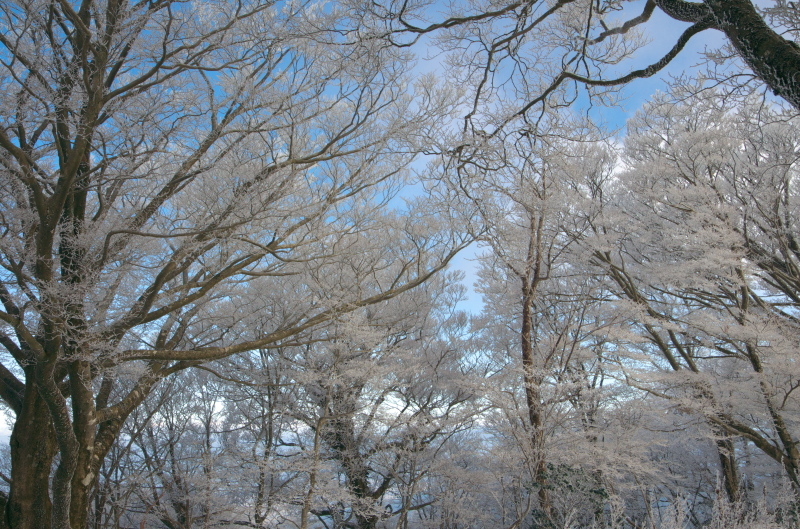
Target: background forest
(227, 231)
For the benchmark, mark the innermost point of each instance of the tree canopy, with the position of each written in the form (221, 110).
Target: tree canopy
(225, 233)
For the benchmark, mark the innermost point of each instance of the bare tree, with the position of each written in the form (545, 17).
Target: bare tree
(534, 197)
(537, 53)
(708, 190)
(383, 391)
(342, 431)
(165, 167)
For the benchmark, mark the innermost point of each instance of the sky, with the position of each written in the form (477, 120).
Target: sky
(662, 32)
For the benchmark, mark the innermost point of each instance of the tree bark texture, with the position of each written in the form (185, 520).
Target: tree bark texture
(774, 59)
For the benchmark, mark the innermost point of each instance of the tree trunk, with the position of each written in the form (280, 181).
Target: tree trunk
(533, 401)
(33, 447)
(730, 471)
(84, 424)
(341, 439)
(774, 59)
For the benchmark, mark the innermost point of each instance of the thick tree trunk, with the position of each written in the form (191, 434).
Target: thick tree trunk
(774, 59)
(33, 450)
(33, 447)
(84, 424)
(341, 438)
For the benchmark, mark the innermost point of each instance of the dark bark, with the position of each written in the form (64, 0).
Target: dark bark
(33, 447)
(533, 399)
(340, 435)
(728, 465)
(531, 277)
(774, 59)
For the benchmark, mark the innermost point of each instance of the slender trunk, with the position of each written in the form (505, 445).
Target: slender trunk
(532, 384)
(724, 444)
(312, 477)
(727, 462)
(790, 457)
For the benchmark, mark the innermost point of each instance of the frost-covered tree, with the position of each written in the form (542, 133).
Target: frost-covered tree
(542, 52)
(342, 429)
(700, 249)
(173, 173)
(535, 200)
(382, 390)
